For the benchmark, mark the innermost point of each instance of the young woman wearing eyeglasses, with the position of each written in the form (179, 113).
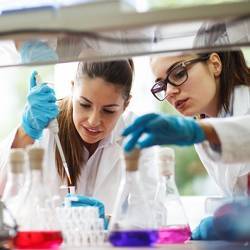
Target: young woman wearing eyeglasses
(213, 85)
(209, 85)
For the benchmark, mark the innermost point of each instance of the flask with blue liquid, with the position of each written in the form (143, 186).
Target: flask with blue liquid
(132, 223)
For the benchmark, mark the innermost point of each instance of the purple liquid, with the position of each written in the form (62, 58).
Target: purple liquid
(174, 234)
(133, 238)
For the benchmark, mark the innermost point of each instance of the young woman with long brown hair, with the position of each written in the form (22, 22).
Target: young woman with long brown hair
(90, 124)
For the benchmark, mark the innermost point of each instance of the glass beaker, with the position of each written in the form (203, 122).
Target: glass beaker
(169, 212)
(37, 223)
(132, 223)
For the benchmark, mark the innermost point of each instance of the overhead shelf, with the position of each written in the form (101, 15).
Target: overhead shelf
(114, 14)
(100, 30)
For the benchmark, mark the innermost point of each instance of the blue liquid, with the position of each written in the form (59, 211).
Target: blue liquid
(133, 238)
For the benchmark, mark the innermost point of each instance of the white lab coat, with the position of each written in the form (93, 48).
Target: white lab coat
(230, 176)
(110, 169)
(234, 134)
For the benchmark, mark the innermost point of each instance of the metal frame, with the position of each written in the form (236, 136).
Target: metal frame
(109, 15)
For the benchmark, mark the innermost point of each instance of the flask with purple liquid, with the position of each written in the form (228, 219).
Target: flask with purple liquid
(132, 223)
(168, 209)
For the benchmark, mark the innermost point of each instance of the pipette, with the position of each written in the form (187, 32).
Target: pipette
(54, 127)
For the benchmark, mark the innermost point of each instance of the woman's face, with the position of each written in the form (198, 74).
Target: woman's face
(199, 93)
(97, 105)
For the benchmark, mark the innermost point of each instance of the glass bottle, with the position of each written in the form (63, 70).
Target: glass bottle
(231, 220)
(132, 223)
(37, 223)
(15, 180)
(15, 177)
(168, 209)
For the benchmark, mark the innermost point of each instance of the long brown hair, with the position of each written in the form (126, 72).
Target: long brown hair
(234, 72)
(119, 73)
(234, 67)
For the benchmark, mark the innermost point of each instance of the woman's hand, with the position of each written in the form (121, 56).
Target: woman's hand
(156, 129)
(40, 108)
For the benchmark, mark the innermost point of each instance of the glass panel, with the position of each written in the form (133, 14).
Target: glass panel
(120, 33)
(142, 5)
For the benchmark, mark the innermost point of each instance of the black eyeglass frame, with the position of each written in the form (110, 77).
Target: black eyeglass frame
(166, 81)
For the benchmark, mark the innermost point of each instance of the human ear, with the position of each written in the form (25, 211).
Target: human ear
(216, 64)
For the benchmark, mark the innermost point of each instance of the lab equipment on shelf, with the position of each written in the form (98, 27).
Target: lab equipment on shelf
(168, 210)
(132, 223)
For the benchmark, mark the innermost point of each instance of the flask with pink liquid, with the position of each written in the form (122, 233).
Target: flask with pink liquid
(169, 212)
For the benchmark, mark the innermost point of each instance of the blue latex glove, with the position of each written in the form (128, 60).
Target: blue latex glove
(37, 51)
(205, 230)
(83, 201)
(163, 129)
(40, 108)
(80, 200)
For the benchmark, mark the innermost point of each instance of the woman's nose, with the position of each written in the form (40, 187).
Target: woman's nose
(172, 90)
(94, 119)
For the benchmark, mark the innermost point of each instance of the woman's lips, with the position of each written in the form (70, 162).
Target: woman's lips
(92, 131)
(180, 104)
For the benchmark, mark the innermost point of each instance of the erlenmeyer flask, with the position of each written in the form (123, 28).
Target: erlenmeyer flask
(231, 220)
(15, 181)
(168, 209)
(132, 223)
(37, 223)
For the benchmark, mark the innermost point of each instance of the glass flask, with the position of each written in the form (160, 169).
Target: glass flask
(37, 224)
(15, 179)
(169, 212)
(132, 223)
(231, 220)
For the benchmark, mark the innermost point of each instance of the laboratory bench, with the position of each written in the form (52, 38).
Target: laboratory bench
(196, 208)
(191, 245)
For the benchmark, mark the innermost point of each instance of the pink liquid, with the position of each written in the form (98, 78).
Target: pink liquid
(174, 234)
(38, 239)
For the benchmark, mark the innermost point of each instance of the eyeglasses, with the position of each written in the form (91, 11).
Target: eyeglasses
(176, 77)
